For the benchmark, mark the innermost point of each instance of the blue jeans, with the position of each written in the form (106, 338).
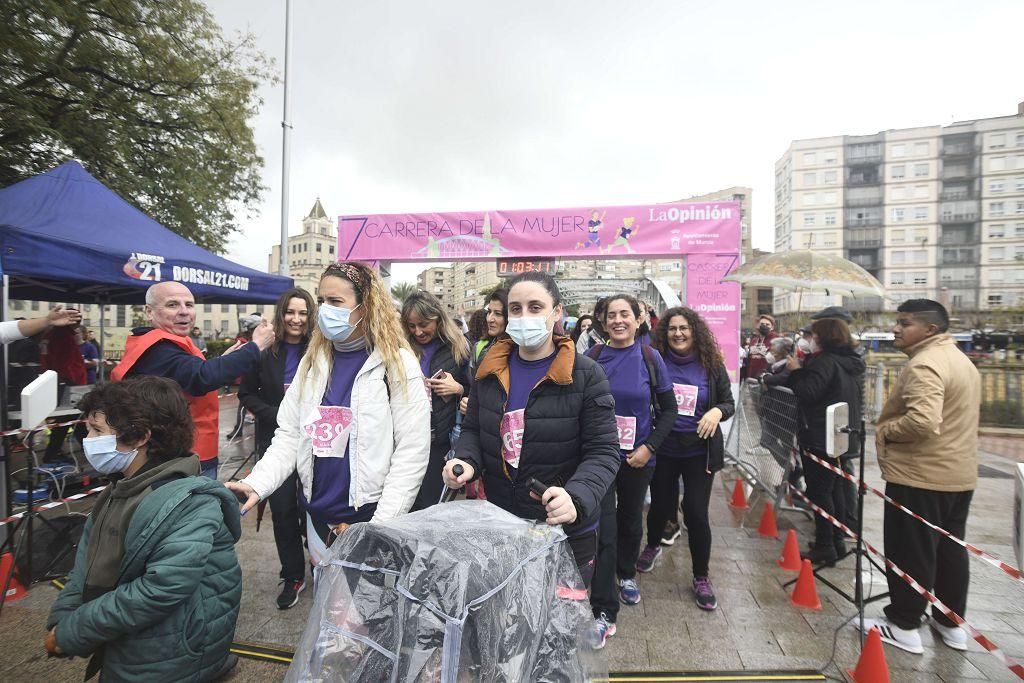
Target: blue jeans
(208, 470)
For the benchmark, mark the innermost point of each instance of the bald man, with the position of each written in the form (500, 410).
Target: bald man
(165, 349)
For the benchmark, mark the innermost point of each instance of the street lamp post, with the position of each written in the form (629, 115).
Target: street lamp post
(286, 130)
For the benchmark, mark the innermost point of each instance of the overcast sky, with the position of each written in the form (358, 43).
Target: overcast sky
(447, 105)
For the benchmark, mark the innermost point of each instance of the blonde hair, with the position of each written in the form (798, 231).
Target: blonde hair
(380, 323)
(428, 307)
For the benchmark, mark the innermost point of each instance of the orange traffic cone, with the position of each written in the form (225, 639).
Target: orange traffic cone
(871, 667)
(790, 557)
(767, 527)
(739, 498)
(15, 591)
(805, 594)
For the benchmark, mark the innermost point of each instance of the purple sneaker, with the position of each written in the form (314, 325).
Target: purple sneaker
(648, 558)
(599, 632)
(703, 593)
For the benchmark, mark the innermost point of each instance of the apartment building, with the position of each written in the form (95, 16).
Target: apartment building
(310, 251)
(438, 281)
(935, 212)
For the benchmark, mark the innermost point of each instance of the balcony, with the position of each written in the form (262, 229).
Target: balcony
(863, 180)
(863, 201)
(960, 149)
(955, 195)
(863, 244)
(870, 222)
(958, 284)
(959, 173)
(958, 217)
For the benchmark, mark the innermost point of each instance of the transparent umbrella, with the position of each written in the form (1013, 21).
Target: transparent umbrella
(803, 269)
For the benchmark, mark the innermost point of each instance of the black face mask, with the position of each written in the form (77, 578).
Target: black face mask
(764, 330)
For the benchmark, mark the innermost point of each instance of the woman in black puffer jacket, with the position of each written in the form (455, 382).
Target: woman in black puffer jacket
(832, 374)
(538, 409)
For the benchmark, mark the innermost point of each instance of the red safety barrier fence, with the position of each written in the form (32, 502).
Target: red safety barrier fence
(979, 637)
(974, 550)
(54, 503)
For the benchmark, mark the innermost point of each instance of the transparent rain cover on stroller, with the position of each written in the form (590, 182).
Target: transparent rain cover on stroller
(458, 592)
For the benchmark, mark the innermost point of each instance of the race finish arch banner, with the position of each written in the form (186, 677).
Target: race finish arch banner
(707, 234)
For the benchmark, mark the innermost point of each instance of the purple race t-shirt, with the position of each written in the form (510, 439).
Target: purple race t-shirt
(329, 433)
(291, 362)
(427, 352)
(631, 388)
(692, 389)
(524, 375)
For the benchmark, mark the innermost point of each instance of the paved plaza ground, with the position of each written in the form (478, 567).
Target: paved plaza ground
(754, 628)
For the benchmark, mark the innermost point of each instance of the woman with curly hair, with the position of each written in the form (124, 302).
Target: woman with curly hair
(355, 421)
(694, 449)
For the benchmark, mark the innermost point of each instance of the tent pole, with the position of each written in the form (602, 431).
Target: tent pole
(100, 371)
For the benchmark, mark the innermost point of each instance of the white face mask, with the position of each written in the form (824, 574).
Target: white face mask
(102, 454)
(334, 322)
(529, 332)
(770, 357)
(813, 346)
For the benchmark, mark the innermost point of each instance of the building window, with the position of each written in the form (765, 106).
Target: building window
(830, 239)
(330, 250)
(996, 208)
(997, 253)
(207, 308)
(830, 198)
(830, 156)
(1019, 184)
(830, 177)
(898, 214)
(1018, 230)
(996, 230)
(1020, 162)
(997, 141)
(899, 236)
(995, 299)
(921, 192)
(997, 164)
(319, 247)
(921, 213)
(920, 256)
(921, 149)
(899, 193)
(810, 179)
(899, 172)
(810, 199)
(899, 258)
(996, 186)
(808, 220)
(122, 316)
(920, 170)
(1020, 208)
(809, 159)
(896, 278)
(35, 307)
(1020, 140)
(899, 151)
(225, 308)
(207, 326)
(920, 234)
(920, 279)
(830, 218)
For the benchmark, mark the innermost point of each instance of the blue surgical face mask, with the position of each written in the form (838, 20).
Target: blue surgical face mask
(334, 322)
(529, 331)
(102, 454)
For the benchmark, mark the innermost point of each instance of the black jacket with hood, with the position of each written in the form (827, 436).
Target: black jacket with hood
(832, 376)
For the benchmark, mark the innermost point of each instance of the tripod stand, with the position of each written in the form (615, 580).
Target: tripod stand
(857, 599)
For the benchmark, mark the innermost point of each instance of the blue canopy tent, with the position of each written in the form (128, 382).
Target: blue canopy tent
(64, 236)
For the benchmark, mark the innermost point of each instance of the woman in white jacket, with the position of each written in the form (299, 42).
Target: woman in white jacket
(355, 422)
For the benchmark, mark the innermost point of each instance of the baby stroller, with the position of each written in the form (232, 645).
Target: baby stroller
(457, 592)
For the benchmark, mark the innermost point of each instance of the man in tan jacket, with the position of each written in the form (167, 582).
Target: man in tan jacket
(927, 444)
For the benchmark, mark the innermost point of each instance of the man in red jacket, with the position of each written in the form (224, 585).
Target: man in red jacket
(167, 350)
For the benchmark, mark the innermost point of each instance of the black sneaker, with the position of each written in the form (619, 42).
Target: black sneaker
(671, 534)
(290, 593)
(818, 555)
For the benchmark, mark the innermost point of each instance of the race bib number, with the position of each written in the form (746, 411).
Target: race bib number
(627, 431)
(686, 398)
(329, 432)
(512, 426)
(430, 395)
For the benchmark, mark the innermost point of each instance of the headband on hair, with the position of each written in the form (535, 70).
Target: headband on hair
(351, 273)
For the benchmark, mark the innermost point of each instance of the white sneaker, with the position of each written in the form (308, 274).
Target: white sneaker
(909, 640)
(953, 636)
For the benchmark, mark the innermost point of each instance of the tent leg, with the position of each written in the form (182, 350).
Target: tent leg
(101, 370)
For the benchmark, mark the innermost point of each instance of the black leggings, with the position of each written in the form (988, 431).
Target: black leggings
(697, 484)
(825, 489)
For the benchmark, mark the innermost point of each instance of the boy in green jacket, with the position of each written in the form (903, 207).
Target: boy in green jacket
(156, 586)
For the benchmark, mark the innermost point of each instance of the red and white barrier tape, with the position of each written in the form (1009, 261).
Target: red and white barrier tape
(53, 504)
(978, 552)
(978, 636)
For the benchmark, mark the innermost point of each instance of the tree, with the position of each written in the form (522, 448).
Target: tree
(148, 96)
(402, 290)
